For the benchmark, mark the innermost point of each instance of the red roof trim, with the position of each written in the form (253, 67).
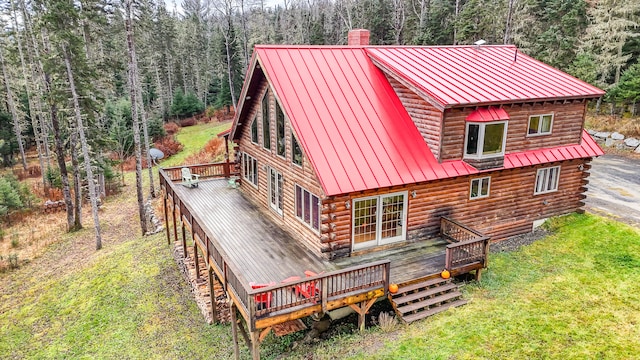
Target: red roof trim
(225, 133)
(491, 113)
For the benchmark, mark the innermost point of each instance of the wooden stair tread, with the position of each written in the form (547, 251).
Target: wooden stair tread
(423, 314)
(428, 302)
(424, 293)
(422, 284)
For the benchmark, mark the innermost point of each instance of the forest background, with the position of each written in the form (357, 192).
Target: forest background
(71, 69)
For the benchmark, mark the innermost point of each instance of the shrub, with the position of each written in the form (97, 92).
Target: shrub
(15, 242)
(52, 175)
(13, 195)
(171, 128)
(188, 122)
(169, 146)
(185, 105)
(213, 151)
(387, 322)
(14, 263)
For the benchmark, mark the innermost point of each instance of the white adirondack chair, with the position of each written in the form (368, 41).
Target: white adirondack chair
(189, 179)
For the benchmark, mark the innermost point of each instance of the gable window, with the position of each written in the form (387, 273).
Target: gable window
(280, 146)
(307, 208)
(250, 168)
(275, 190)
(266, 123)
(547, 180)
(480, 188)
(540, 124)
(254, 130)
(485, 140)
(296, 151)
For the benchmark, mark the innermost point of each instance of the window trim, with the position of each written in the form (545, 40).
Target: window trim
(293, 155)
(255, 121)
(540, 133)
(284, 132)
(481, 133)
(480, 180)
(301, 217)
(268, 119)
(245, 158)
(556, 180)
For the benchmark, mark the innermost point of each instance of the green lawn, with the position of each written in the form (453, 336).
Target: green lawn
(572, 295)
(194, 138)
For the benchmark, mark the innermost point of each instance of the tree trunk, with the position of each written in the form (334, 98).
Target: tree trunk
(14, 114)
(32, 112)
(57, 139)
(227, 45)
(134, 116)
(93, 197)
(507, 26)
(143, 116)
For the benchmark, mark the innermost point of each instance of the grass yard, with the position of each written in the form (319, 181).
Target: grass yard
(194, 138)
(572, 295)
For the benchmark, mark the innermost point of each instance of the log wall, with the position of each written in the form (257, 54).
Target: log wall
(510, 209)
(566, 127)
(428, 118)
(292, 174)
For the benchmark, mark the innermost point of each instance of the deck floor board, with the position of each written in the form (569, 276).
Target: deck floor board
(263, 252)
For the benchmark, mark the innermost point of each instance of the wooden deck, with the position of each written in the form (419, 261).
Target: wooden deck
(256, 245)
(239, 245)
(266, 253)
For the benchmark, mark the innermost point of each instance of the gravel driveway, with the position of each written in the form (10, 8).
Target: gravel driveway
(614, 188)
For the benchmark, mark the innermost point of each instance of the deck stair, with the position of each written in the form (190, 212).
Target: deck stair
(417, 301)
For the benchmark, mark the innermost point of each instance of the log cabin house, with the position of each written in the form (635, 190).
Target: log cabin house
(379, 164)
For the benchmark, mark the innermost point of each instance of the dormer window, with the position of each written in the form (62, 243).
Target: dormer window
(485, 140)
(486, 133)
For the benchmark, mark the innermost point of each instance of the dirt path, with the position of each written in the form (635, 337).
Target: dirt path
(614, 188)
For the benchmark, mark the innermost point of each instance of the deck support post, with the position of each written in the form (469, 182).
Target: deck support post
(184, 242)
(212, 297)
(173, 216)
(362, 309)
(478, 274)
(255, 345)
(196, 258)
(234, 330)
(166, 219)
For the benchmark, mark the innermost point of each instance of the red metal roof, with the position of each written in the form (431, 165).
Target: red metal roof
(491, 113)
(487, 74)
(348, 119)
(353, 127)
(587, 148)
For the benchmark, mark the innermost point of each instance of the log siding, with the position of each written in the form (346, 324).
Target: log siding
(510, 209)
(292, 174)
(567, 127)
(428, 118)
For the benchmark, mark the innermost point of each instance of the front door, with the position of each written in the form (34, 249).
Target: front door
(379, 220)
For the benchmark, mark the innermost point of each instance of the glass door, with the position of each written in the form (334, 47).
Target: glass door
(379, 220)
(275, 190)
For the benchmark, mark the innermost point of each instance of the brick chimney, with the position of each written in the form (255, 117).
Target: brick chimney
(358, 37)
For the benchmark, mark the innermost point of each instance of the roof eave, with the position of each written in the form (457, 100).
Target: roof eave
(240, 108)
(519, 101)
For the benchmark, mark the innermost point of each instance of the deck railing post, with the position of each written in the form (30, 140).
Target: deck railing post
(166, 217)
(324, 284)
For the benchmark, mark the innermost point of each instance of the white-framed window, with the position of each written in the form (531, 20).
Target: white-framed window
(254, 130)
(280, 138)
(250, 169)
(485, 140)
(479, 188)
(296, 151)
(307, 207)
(275, 190)
(540, 125)
(547, 180)
(379, 220)
(266, 122)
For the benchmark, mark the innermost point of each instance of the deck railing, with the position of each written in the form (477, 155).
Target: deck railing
(467, 247)
(296, 295)
(211, 170)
